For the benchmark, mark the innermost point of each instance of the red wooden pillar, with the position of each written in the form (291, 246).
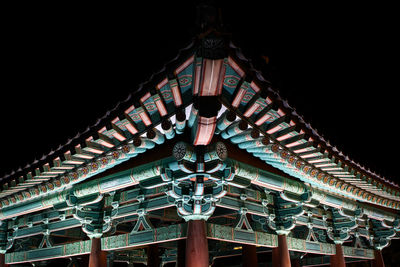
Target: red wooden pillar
(249, 256)
(153, 259)
(378, 261)
(284, 256)
(196, 244)
(98, 258)
(337, 260)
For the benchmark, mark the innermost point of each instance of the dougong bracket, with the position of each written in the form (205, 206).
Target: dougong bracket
(195, 180)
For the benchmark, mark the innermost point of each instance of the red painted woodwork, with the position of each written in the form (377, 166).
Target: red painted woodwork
(284, 256)
(196, 244)
(249, 256)
(98, 258)
(337, 259)
(153, 257)
(378, 261)
(205, 130)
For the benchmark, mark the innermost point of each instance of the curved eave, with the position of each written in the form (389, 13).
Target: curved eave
(244, 90)
(300, 139)
(127, 121)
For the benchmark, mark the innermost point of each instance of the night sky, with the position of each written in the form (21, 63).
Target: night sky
(338, 66)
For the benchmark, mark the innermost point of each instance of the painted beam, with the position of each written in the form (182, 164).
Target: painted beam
(282, 184)
(157, 235)
(51, 227)
(63, 251)
(149, 205)
(179, 231)
(163, 234)
(80, 173)
(102, 185)
(230, 234)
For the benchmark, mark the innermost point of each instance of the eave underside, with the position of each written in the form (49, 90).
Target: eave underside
(176, 92)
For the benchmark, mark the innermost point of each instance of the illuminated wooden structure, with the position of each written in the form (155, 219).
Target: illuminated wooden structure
(203, 161)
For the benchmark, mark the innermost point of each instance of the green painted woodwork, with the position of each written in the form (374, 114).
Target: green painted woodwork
(67, 250)
(237, 203)
(162, 234)
(194, 181)
(29, 220)
(178, 231)
(79, 174)
(360, 253)
(279, 183)
(381, 234)
(285, 214)
(197, 182)
(341, 226)
(92, 217)
(88, 192)
(290, 149)
(160, 203)
(52, 227)
(156, 203)
(291, 199)
(102, 185)
(230, 234)
(296, 244)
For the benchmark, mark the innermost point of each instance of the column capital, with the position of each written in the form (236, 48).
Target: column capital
(338, 242)
(283, 232)
(342, 223)
(93, 219)
(382, 234)
(94, 235)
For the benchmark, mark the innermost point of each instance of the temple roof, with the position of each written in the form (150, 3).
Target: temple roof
(289, 142)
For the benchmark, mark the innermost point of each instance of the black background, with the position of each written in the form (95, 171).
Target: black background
(65, 66)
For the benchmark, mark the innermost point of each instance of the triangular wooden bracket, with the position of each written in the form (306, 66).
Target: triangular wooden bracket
(243, 222)
(143, 223)
(46, 242)
(311, 235)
